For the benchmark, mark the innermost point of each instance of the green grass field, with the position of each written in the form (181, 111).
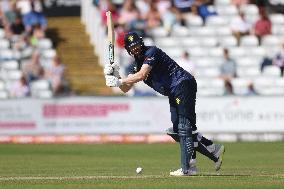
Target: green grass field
(246, 165)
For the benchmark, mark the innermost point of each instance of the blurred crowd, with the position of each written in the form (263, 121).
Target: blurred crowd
(144, 16)
(23, 28)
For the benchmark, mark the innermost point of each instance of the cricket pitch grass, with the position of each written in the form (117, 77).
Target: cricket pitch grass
(112, 166)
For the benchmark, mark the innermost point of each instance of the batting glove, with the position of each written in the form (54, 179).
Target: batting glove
(112, 69)
(112, 81)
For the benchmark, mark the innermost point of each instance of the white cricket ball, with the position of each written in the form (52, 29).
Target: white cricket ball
(139, 170)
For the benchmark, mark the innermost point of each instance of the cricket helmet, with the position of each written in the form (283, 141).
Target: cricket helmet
(131, 39)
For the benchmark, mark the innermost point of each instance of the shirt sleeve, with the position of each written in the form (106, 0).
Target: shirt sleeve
(151, 57)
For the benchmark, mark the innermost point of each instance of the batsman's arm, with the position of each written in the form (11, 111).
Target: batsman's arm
(131, 79)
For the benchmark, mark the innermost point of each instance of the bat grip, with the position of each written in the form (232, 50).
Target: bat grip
(111, 53)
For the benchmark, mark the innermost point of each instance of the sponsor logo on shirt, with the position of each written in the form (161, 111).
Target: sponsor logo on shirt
(149, 58)
(177, 100)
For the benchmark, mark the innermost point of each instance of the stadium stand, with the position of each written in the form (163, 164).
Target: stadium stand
(18, 42)
(205, 41)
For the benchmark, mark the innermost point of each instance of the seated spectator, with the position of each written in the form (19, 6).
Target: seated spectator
(228, 88)
(12, 13)
(203, 10)
(278, 60)
(20, 88)
(186, 63)
(265, 62)
(250, 90)
(262, 26)
(4, 6)
(24, 6)
(184, 6)
(240, 26)
(228, 67)
(37, 33)
(228, 71)
(143, 6)
(33, 18)
(129, 12)
(171, 17)
(2, 20)
(139, 25)
(153, 17)
(17, 27)
(33, 70)
(37, 5)
(54, 74)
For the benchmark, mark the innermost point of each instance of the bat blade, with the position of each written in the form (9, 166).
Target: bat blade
(111, 36)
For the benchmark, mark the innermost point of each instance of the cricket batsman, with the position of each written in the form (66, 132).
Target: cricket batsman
(164, 75)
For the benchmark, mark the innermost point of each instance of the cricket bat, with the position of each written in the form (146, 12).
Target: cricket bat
(111, 37)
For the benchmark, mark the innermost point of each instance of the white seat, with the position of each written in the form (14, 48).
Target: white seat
(210, 87)
(223, 31)
(209, 42)
(4, 44)
(49, 53)
(173, 52)
(222, 2)
(261, 82)
(271, 51)
(237, 52)
(277, 19)
(203, 83)
(10, 65)
(13, 75)
(248, 62)
(159, 32)
(190, 42)
(40, 85)
(228, 41)
(44, 94)
(180, 31)
(207, 62)
(210, 92)
(249, 40)
(248, 72)
(2, 33)
(4, 94)
(7, 54)
(216, 21)
(167, 42)
(2, 85)
(27, 52)
(205, 32)
(258, 52)
(193, 20)
(208, 72)
(249, 9)
(279, 82)
(215, 52)
(271, 71)
(44, 43)
(269, 86)
(227, 10)
(148, 41)
(272, 91)
(278, 29)
(198, 52)
(270, 40)
(240, 85)
(252, 18)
